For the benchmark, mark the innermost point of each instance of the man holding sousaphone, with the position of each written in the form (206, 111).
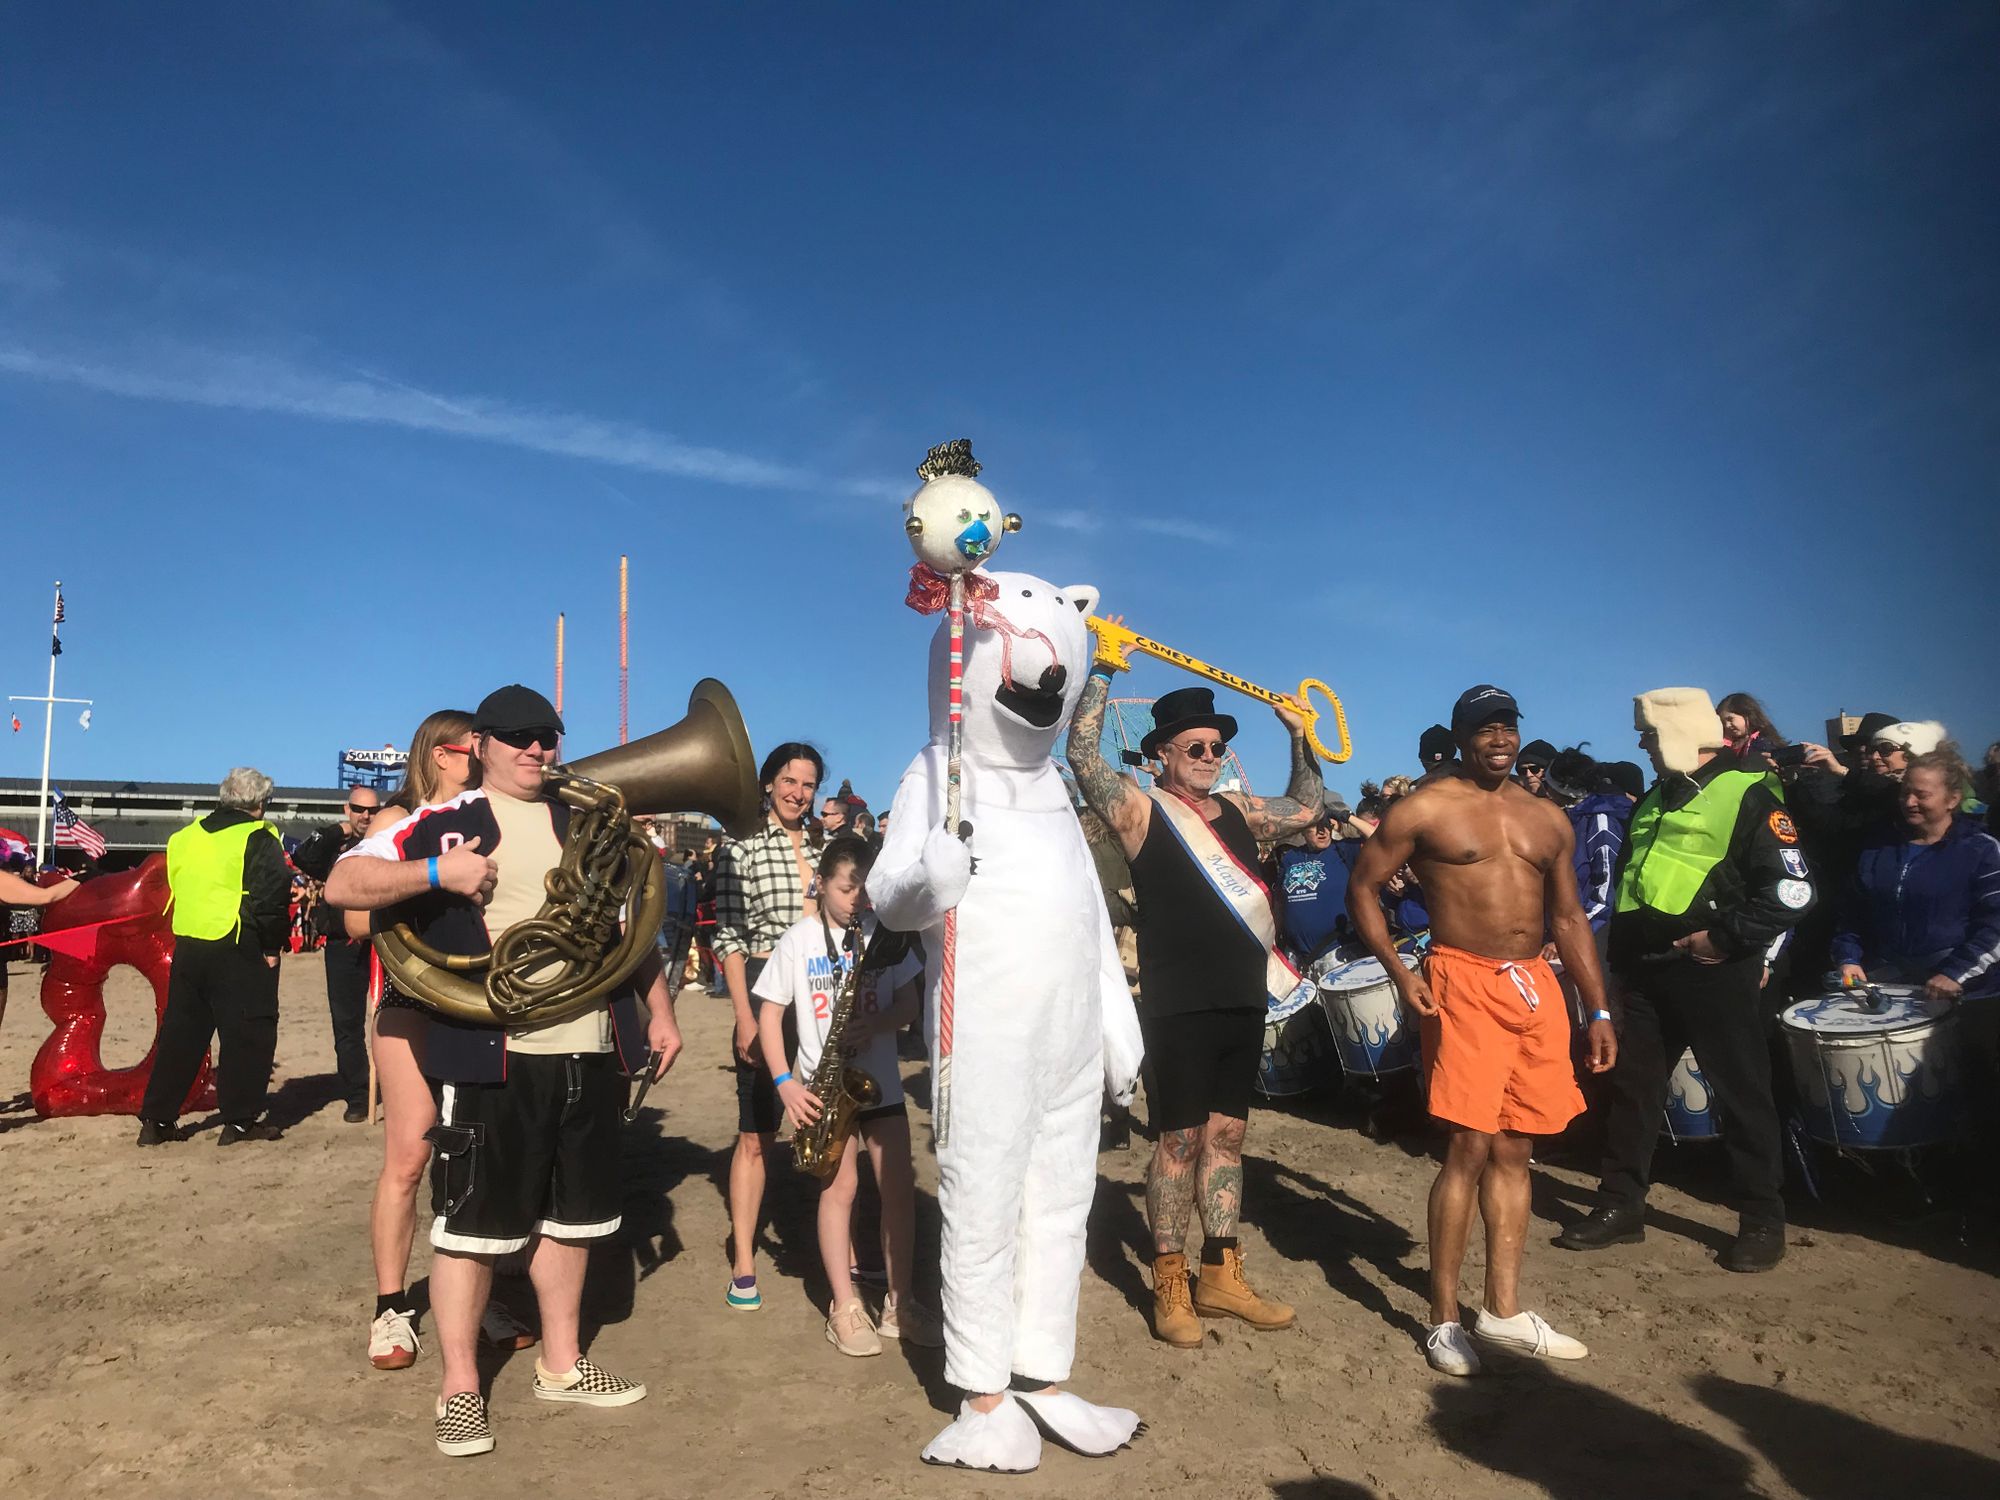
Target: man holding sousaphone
(1207, 967)
(528, 1124)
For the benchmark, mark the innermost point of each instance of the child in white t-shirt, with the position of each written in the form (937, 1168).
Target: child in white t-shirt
(806, 969)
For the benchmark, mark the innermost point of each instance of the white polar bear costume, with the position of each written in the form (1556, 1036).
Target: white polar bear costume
(1043, 1020)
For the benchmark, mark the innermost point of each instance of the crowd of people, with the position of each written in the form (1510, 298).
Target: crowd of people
(1559, 928)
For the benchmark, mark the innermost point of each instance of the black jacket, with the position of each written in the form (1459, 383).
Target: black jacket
(315, 856)
(267, 886)
(1756, 893)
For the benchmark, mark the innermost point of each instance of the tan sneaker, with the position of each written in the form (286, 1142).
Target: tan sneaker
(849, 1331)
(911, 1322)
(1174, 1321)
(1221, 1291)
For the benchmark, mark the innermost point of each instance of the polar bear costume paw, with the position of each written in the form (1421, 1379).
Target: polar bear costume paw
(1080, 1426)
(1004, 1439)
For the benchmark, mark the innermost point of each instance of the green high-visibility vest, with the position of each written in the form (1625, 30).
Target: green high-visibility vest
(1673, 853)
(205, 878)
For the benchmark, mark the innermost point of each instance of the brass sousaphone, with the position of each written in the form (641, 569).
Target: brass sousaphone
(575, 950)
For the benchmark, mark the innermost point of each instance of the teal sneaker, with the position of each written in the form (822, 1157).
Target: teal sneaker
(743, 1295)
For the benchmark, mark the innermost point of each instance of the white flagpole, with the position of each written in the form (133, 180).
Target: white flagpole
(48, 735)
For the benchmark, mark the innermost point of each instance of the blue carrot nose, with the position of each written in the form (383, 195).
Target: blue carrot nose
(975, 541)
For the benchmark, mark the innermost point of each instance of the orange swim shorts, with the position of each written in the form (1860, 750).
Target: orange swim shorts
(1497, 1054)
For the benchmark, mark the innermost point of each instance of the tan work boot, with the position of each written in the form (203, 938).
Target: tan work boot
(1222, 1290)
(1174, 1321)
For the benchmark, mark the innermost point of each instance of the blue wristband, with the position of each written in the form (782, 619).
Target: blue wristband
(1600, 1015)
(781, 1079)
(432, 864)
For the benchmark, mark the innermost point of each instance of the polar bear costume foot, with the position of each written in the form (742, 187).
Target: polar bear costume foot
(1094, 1431)
(1003, 1438)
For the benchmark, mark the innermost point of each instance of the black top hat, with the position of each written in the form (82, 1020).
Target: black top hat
(1186, 708)
(1871, 725)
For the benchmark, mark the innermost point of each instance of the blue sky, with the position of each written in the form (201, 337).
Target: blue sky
(1584, 350)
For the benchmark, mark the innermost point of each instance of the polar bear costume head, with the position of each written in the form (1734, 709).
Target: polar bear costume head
(1027, 652)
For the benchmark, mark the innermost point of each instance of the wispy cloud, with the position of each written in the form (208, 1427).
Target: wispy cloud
(1184, 531)
(1065, 519)
(254, 383)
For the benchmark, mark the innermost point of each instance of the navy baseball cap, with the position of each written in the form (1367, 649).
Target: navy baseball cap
(1483, 704)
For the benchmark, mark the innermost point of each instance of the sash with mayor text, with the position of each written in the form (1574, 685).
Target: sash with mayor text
(1243, 895)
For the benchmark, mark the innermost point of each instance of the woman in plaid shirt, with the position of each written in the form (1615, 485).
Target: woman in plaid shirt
(761, 888)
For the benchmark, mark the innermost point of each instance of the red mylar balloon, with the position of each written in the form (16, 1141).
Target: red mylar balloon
(69, 1076)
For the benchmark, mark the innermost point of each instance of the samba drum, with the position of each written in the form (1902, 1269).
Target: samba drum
(1365, 1015)
(1690, 1112)
(1297, 1058)
(1874, 1070)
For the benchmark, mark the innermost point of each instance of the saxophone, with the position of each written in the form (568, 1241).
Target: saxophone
(843, 1092)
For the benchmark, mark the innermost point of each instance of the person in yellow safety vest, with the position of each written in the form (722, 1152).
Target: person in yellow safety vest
(1712, 881)
(229, 889)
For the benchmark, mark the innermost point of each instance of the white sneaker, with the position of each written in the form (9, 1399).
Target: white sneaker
(392, 1342)
(1529, 1333)
(1450, 1351)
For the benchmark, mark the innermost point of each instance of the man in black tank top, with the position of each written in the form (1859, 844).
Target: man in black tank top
(1202, 976)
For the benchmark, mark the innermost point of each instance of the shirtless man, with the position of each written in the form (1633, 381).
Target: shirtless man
(1495, 863)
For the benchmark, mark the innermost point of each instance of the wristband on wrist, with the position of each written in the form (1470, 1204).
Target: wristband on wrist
(782, 1078)
(432, 868)
(1600, 1015)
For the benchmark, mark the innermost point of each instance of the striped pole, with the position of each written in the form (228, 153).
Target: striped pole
(559, 660)
(948, 961)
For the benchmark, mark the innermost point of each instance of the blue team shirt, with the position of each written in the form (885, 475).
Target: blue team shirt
(1313, 891)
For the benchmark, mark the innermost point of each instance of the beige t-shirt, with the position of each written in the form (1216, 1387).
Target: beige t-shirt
(528, 850)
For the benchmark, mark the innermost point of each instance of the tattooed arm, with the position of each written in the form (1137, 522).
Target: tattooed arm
(1109, 795)
(1304, 802)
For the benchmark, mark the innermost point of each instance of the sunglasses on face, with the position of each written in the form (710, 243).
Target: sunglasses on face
(1529, 768)
(457, 749)
(526, 739)
(1204, 749)
(1886, 750)
(361, 812)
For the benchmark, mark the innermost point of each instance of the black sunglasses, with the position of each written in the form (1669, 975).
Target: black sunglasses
(522, 739)
(358, 811)
(1204, 749)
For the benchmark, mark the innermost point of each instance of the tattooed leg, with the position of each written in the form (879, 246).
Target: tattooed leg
(1170, 1189)
(1219, 1176)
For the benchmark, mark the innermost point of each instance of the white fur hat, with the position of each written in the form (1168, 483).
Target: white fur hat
(1918, 736)
(1683, 721)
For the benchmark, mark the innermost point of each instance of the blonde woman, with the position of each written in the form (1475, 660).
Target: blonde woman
(441, 766)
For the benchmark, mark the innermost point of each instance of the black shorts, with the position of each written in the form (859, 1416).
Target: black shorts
(757, 1109)
(535, 1154)
(1203, 1063)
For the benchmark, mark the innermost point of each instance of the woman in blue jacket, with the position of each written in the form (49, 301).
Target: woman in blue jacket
(1924, 904)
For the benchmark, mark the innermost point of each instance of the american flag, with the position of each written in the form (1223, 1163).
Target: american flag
(73, 833)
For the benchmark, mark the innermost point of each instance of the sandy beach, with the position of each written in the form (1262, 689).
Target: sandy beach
(189, 1322)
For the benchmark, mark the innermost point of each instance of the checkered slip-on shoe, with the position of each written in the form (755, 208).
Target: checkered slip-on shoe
(586, 1384)
(462, 1428)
